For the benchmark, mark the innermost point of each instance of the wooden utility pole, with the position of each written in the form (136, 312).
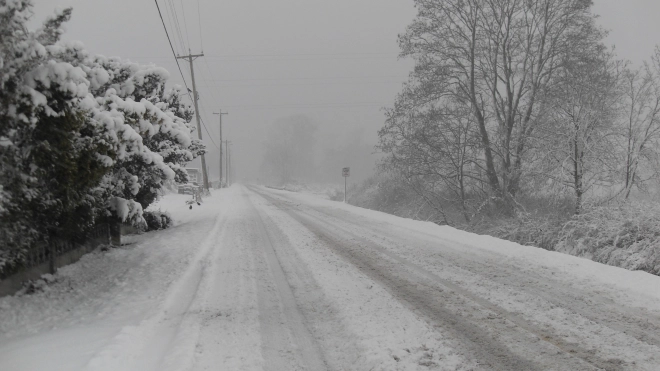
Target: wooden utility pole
(190, 58)
(220, 115)
(227, 144)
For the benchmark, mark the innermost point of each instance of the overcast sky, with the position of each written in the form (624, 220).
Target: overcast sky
(335, 61)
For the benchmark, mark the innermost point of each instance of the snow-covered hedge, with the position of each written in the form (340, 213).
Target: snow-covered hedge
(83, 138)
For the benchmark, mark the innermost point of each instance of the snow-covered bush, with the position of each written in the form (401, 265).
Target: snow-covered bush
(157, 220)
(82, 138)
(158, 121)
(388, 193)
(525, 229)
(52, 156)
(38, 285)
(626, 236)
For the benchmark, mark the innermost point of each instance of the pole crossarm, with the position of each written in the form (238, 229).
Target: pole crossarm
(195, 56)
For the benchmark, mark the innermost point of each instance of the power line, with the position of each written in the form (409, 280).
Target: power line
(314, 78)
(181, 72)
(354, 109)
(212, 86)
(207, 132)
(356, 56)
(319, 105)
(177, 26)
(185, 23)
(203, 123)
(300, 54)
(199, 23)
(297, 59)
(172, 47)
(314, 104)
(169, 18)
(310, 84)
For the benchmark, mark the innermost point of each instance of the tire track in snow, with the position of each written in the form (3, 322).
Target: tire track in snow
(279, 314)
(227, 316)
(641, 324)
(357, 322)
(586, 323)
(149, 345)
(424, 296)
(251, 318)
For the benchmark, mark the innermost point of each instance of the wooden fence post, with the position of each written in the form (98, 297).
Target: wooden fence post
(51, 259)
(115, 234)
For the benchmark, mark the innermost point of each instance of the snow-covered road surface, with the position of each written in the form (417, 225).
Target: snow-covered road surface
(259, 279)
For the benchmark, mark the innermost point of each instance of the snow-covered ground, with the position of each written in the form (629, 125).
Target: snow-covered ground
(105, 295)
(257, 278)
(322, 190)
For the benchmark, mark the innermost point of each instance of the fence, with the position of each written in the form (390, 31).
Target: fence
(47, 257)
(47, 253)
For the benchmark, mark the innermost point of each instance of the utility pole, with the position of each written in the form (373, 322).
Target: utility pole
(227, 144)
(229, 158)
(190, 58)
(220, 115)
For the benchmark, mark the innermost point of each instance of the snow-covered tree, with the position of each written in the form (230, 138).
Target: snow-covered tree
(81, 137)
(579, 138)
(52, 156)
(640, 130)
(497, 58)
(160, 118)
(176, 153)
(435, 150)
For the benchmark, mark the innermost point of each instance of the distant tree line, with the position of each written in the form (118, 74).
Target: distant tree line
(511, 98)
(83, 138)
(289, 150)
(293, 153)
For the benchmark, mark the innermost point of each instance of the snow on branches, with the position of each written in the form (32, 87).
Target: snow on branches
(82, 137)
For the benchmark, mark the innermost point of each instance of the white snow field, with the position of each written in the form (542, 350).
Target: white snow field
(261, 279)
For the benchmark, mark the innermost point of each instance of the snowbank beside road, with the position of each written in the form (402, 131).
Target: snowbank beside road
(575, 270)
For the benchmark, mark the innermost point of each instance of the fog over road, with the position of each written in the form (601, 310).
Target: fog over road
(257, 278)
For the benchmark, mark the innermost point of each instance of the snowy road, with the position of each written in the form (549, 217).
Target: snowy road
(262, 279)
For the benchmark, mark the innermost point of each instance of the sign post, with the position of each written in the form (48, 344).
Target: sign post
(345, 172)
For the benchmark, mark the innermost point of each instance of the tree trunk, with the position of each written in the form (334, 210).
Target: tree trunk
(577, 176)
(493, 181)
(491, 173)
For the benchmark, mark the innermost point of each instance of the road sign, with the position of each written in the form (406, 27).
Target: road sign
(345, 172)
